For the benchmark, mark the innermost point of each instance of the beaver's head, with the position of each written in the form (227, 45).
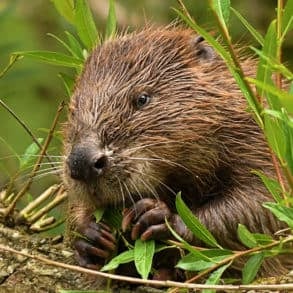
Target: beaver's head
(138, 116)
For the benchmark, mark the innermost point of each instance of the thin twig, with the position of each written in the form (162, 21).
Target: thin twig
(231, 258)
(38, 163)
(147, 282)
(26, 128)
(12, 60)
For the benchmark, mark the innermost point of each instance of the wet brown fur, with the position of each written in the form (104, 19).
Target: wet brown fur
(195, 136)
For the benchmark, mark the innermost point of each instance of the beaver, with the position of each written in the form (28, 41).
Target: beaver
(157, 112)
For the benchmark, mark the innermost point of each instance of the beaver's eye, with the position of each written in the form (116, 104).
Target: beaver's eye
(141, 100)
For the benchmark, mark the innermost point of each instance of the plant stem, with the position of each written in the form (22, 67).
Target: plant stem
(10, 208)
(285, 287)
(26, 128)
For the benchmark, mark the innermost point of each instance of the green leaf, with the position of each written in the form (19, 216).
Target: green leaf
(68, 48)
(275, 64)
(65, 8)
(191, 262)
(215, 277)
(245, 236)
(198, 229)
(264, 72)
(258, 37)
(251, 267)
(275, 135)
(263, 239)
(98, 214)
(282, 212)
(113, 217)
(29, 154)
(52, 58)
(85, 24)
(75, 45)
(222, 8)
(124, 257)
(68, 82)
(143, 256)
(287, 23)
(271, 185)
(187, 246)
(271, 90)
(111, 21)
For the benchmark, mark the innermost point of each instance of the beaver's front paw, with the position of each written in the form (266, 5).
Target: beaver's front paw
(148, 219)
(94, 245)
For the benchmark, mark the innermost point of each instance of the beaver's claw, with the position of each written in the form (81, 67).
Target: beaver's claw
(148, 219)
(95, 244)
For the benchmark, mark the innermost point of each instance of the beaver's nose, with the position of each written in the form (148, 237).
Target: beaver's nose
(85, 164)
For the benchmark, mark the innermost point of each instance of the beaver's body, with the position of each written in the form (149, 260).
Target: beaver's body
(155, 113)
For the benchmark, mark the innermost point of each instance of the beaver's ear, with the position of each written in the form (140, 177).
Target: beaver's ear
(201, 49)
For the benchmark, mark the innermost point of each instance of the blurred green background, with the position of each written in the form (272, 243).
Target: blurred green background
(33, 90)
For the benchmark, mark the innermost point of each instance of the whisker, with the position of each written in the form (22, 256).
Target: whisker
(130, 196)
(54, 172)
(156, 179)
(171, 163)
(152, 191)
(157, 143)
(135, 187)
(122, 193)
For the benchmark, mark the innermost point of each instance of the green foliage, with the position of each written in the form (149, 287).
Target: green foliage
(29, 154)
(85, 24)
(271, 104)
(251, 267)
(194, 224)
(143, 256)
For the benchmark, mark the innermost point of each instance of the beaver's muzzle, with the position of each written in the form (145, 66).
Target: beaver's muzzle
(86, 164)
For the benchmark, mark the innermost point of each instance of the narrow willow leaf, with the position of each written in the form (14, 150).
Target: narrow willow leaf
(272, 185)
(113, 217)
(68, 48)
(274, 64)
(222, 8)
(245, 236)
(191, 262)
(143, 256)
(124, 257)
(52, 58)
(187, 246)
(98, 214)
(287, 22)
(273, 130)
(68, 82)
(85, 24)
(251, 268)
(65, 8)
(264, 72)
(288, 133)
(29, 154)
(198, 229)
(279, 96)
(258, 37)
(283, 213)
(75, 45)
(215, 277)
(263, 239)
(111, 21)
(252, 101)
